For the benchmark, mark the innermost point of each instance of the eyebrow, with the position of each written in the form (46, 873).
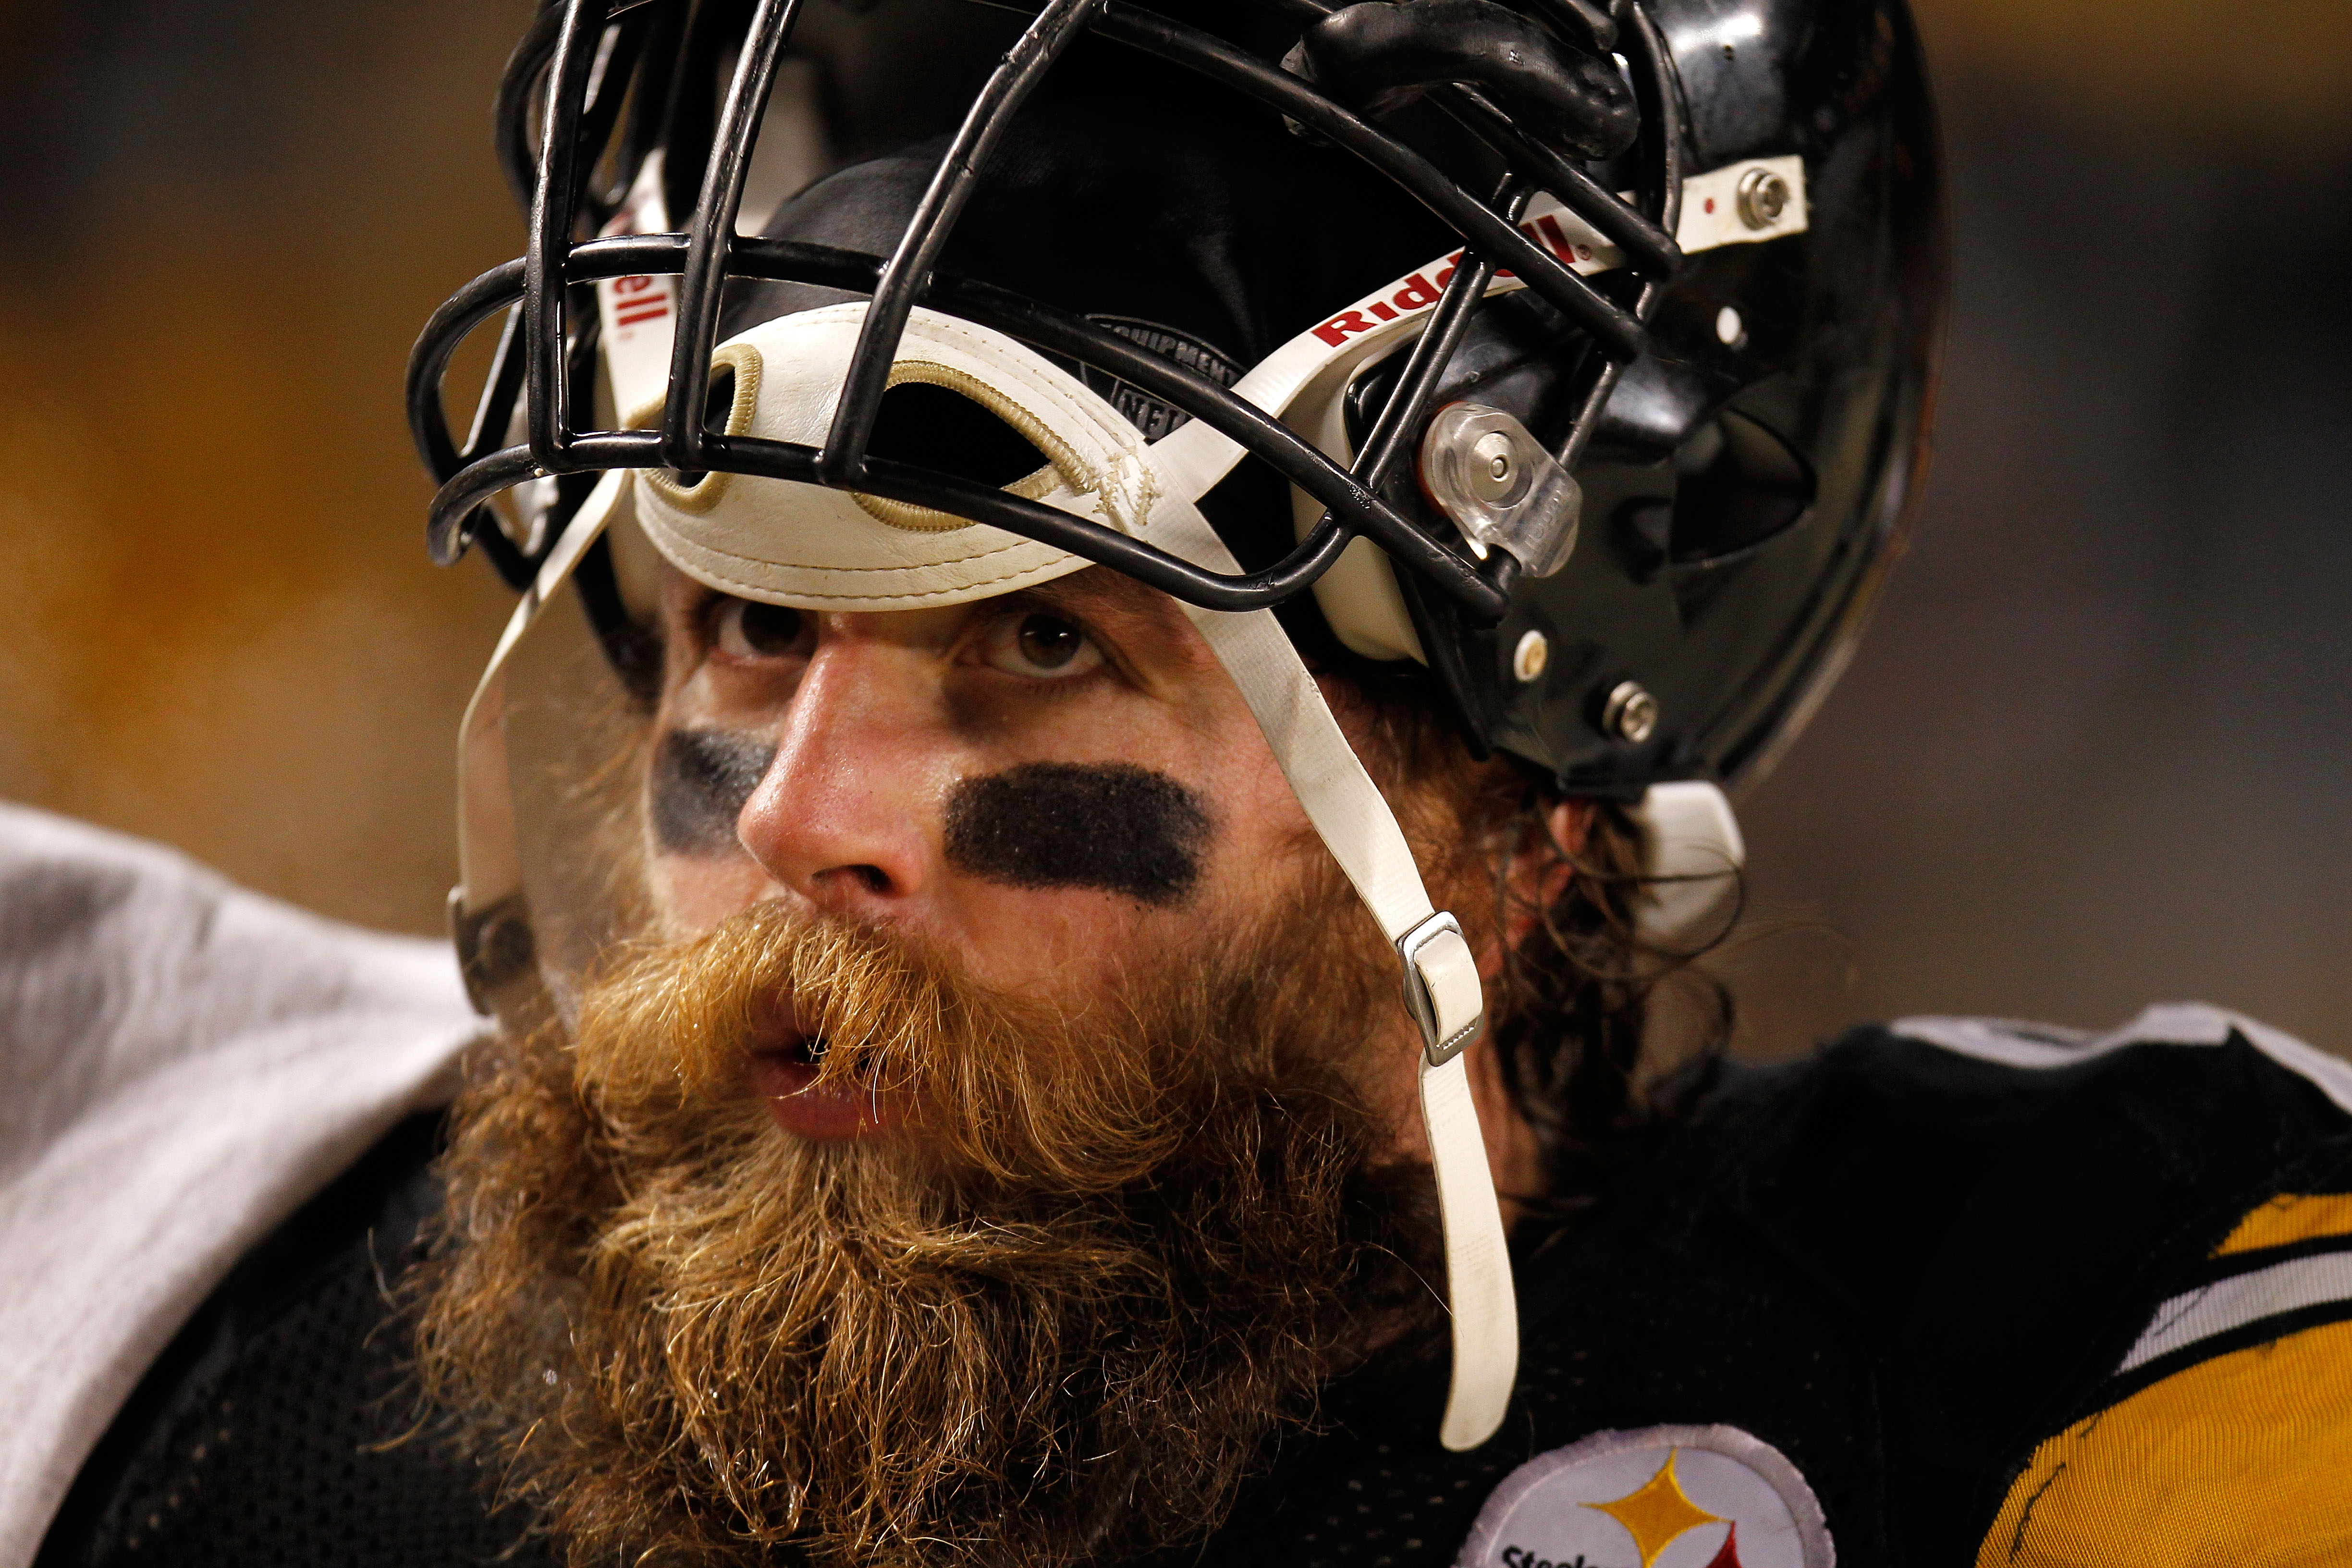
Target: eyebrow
(1100, 593)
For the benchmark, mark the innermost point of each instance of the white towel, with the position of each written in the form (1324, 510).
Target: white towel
(183, 1064)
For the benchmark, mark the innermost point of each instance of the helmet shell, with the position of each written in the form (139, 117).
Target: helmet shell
(1748, 483)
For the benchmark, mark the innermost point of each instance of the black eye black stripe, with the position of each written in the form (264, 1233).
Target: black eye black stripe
(699, 781)
(1117, 827)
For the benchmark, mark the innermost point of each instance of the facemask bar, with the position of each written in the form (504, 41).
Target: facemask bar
(1662, 128)
(1662, 136)
(587, 52)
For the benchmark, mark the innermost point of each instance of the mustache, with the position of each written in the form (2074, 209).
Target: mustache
(1001, 1087)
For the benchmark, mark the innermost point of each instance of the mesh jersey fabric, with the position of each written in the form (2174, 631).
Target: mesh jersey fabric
(1903, 1269)
(1913, 1274)
(280, 1429)
(2238, 1459)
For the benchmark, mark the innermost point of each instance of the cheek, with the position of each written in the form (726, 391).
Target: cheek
(691, 895)
(1067, 879)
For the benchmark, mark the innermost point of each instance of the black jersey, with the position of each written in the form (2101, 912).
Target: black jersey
(1948, 1293)
(1965, 1293)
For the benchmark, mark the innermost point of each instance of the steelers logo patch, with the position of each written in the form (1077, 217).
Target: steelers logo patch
(1664, 1496)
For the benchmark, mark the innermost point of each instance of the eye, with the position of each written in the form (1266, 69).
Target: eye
(745, 628)
(1040, 646)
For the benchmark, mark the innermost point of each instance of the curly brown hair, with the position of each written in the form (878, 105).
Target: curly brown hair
(1576, 1037)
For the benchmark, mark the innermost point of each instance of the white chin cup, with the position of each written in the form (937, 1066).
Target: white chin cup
(1695, 853)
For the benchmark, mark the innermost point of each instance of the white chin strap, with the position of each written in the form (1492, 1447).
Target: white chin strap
(1440, 973)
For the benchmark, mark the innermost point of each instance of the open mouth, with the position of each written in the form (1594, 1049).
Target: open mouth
(801, 1049)
(786, 1062)
(783, 1074)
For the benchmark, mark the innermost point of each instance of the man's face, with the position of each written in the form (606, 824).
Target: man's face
(1012, 1069)
(1057, 790)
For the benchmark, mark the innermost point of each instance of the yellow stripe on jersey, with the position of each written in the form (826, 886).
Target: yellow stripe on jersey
(2245, 1458)
(2292, 1217)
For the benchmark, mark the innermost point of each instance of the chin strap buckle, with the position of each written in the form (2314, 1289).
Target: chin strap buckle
(1441, 987)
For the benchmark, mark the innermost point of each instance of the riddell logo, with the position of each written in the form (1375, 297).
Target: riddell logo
(638, 300)
(1421, 290)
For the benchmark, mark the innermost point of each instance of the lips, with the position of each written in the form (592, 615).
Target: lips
(783, 1074)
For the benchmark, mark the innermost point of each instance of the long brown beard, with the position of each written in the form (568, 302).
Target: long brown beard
(1055, 1323)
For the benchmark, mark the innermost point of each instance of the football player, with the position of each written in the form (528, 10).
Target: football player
(1115, 717)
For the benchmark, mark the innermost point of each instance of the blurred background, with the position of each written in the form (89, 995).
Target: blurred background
(2095, 752)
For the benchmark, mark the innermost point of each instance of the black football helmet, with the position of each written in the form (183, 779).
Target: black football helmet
(1741, 401)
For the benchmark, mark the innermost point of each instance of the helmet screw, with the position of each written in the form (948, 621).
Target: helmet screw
(1631, 713)
(1528, 660)
(1730, 329)
(1763, 197)
(1493, 476)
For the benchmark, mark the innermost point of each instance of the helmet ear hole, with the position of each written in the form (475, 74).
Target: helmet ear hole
(1742, 483)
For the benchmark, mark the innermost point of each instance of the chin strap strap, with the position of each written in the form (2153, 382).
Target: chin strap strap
(1441, 990)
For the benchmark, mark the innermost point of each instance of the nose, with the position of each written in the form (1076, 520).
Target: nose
(840, 817)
